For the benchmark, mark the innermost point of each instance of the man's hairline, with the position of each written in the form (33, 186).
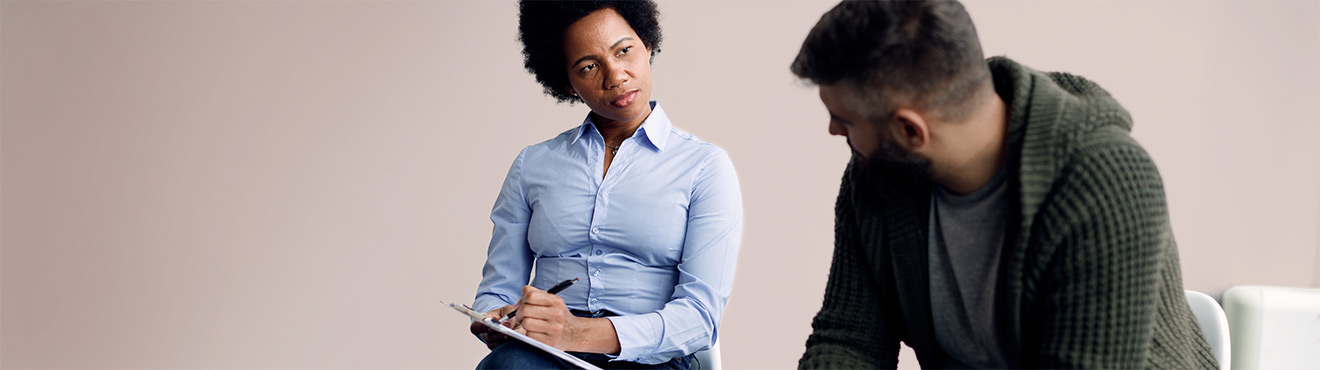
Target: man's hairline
(865, 93)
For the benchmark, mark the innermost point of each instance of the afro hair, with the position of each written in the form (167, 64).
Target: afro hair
(541, 26)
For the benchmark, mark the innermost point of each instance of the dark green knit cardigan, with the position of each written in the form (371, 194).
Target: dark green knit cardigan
(1089, 277)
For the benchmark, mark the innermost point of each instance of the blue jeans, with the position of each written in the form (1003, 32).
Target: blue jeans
(518, 355)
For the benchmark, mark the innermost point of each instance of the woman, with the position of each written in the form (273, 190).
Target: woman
(648, 217)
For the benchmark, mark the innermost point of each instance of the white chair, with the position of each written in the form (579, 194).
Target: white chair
(1273, 327)
(710, 358)
(1214, 324)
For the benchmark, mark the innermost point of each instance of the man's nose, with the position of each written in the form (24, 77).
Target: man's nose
(837, 129)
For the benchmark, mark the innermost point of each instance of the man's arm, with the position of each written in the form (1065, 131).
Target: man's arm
(1107, 228)
(851, 330)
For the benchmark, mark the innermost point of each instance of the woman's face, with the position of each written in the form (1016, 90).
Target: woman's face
(608, 66)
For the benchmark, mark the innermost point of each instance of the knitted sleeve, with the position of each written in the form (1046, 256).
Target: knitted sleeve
(1104, 231)
(850, 332)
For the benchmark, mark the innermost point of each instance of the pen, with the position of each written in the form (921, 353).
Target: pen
(553, 290)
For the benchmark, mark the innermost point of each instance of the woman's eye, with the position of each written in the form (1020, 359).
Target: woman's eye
(588, 68)
(625, 50)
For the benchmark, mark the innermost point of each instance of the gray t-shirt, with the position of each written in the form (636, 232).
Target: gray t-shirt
(966, 241)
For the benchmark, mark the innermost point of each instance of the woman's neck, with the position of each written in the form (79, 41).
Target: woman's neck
(615, 132)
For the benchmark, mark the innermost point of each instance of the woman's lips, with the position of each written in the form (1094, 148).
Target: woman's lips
(625, 100)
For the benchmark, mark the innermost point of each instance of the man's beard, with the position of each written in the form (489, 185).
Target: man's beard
(892, 171)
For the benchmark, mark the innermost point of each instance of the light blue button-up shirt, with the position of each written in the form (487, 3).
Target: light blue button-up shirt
(655, 240)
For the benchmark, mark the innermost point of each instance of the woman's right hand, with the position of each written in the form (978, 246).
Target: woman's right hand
(490, 336)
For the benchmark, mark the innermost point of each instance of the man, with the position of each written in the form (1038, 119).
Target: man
(993, 216)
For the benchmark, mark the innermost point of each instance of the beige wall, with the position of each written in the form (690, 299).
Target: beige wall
(296, 184)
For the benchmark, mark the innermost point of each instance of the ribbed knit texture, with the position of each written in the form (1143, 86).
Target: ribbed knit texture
(1090, 277)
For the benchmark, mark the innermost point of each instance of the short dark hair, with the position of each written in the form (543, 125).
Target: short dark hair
(924, 53)
(541, 26)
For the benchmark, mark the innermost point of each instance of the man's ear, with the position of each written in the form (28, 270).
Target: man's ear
(912, 130)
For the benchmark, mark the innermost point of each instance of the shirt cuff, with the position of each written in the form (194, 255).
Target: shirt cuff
(639, 335)
(486, 303)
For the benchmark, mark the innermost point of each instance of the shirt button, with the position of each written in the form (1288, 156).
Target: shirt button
(597, 273)
(595, 230)
(593, 300)
(599, 252)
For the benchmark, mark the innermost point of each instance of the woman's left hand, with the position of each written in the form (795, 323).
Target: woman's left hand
(545, 318)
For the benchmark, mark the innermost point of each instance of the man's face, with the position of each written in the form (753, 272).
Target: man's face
(864, 137)
(883, 159)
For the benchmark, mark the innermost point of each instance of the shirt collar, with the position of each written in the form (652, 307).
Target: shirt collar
(654, 130)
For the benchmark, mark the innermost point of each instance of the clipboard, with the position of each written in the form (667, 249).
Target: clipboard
(477, 316)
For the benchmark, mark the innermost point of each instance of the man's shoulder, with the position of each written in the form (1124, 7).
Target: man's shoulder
(1107, 174)
(1108, 152)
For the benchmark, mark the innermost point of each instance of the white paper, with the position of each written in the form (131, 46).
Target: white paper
(519, 336)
